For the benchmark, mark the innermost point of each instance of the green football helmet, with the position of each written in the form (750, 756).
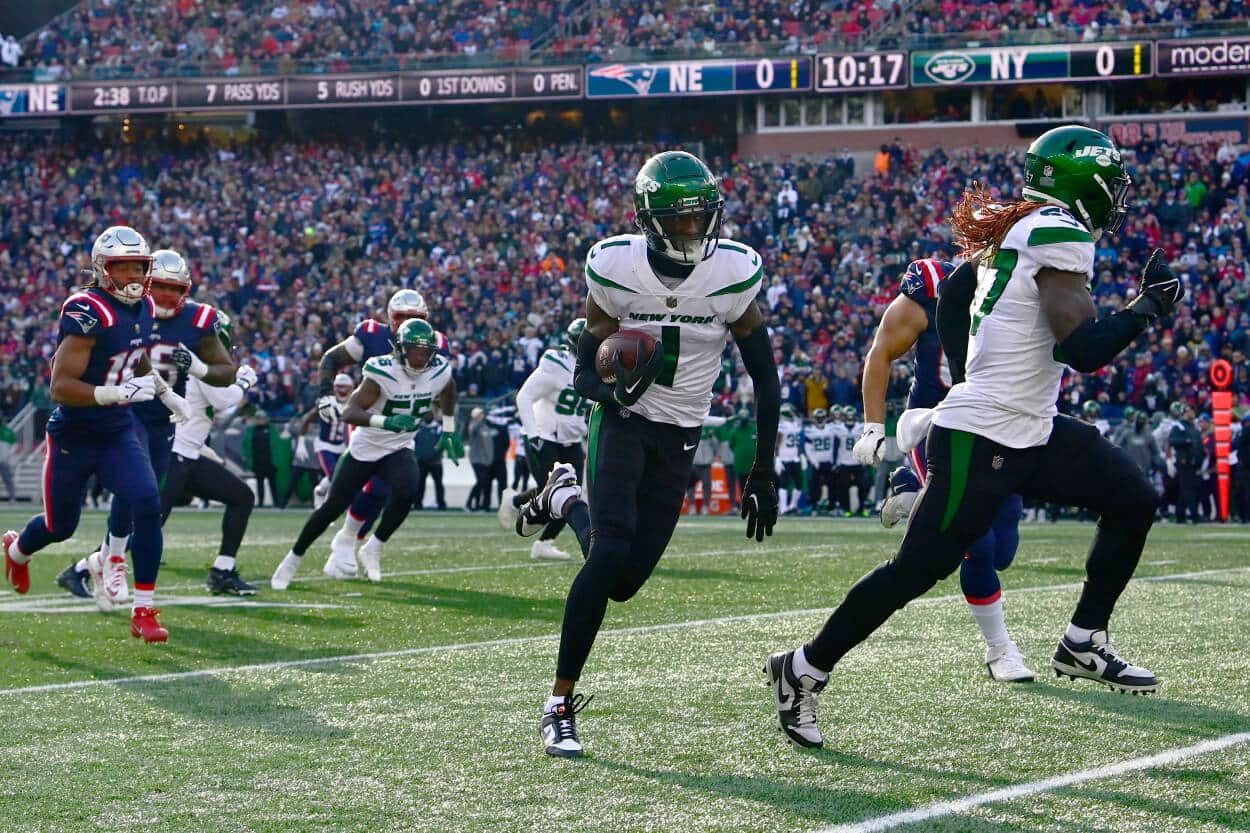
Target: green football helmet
(1092, 409)
(849, 414)
(224, 330)
(820, 416)
(1081, 169)
(415, 344)
(573, 332)
(787, 411)
(678, 206)
(1177, 409)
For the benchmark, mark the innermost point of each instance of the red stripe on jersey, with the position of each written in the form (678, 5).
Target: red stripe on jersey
(151, 304)
(371, 326)
(100, 307)
(932, 276)
(201, 318)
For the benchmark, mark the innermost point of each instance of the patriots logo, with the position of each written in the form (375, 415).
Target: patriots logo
(638, 77)
(83, 318)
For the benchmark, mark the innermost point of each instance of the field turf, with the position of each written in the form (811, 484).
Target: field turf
(414, 704)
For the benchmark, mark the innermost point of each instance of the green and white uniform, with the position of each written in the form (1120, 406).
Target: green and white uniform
(690, 318)
(548, 406)
(403, 392)
(1013, 368)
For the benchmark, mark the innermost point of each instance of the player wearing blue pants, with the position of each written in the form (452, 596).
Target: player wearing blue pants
(101, 368)
(911, 322)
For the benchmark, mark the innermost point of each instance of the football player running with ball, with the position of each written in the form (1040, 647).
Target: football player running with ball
(683, 285)
(396, 394)
(998, 433)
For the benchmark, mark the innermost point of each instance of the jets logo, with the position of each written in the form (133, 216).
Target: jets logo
(85, 320)
(644, 184)
(637, 77)
(949, 67)
(1104, 156)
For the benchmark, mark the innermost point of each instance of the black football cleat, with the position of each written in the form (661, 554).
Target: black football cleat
(75, 581)
(538, 512)
(558, 728)
(1098, 660)
(229, 583)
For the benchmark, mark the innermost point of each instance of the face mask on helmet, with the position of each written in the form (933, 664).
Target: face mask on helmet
(415, 344)
(121, 262)
(171, 283)
(406, 304)
(343, 387)
(685, 235)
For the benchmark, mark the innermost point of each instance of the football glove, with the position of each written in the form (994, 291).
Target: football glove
(328, 409)
(870, 447)
(451, 445)
(179, 409)
(1160, 290)
(135, 389)
(759, 503)
(245, 377)
(400, 423)
(187, 362)
(533, 445)
(631, 384)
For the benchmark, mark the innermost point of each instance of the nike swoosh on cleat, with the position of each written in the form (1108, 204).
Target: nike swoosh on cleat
(1090, 666)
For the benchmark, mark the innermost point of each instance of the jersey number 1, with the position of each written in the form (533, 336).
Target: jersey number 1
(989, 292)
(670, 337)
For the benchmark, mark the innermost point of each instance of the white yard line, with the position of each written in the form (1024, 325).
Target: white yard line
(962, 805)
(522, 640)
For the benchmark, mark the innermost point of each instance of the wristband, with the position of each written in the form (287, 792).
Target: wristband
(106, 394)
(198, 368)
(449, 423)
(377, 421)
(879, 426)
(161, 386)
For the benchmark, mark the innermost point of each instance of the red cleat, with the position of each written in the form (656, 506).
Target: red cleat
(17, 574)
(143, 623)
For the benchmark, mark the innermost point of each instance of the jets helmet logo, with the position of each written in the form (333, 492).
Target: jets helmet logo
(644, 184)
(1104, 156)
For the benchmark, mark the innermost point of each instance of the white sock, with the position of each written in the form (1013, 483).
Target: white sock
(352, 525)
(552, 702)
(81, 566)
(991, 621)
(803, 668)
(115, 545)
(291, 554)
(560, 498)
(783, 497)
(223, 562)
(143, 598)
(1076, 634)
(19, 557)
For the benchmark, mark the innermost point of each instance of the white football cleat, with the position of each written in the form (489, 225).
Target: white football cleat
(342, 560)
(321, 492)
(1007, 665)
(99, 592)
(371, 559)
(286, 571)
(115, 579)
(506, 514)
(548, 551)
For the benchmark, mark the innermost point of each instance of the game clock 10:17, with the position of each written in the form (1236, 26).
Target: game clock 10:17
(847, 71)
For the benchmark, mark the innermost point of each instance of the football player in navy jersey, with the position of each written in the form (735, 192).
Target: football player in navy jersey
(910, 321)
(331, 439)
(370, 338)
(184, 342)
(101, 368)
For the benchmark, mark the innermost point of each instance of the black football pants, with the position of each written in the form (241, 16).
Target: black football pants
(205, 478)
(638, 471)
(397, 469)
(969, 478)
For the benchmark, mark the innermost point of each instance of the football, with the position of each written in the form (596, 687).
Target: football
(630, 346)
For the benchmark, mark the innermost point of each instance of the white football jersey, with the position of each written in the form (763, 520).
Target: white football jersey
(205, 402)
(1013, 373)
(690, 320)
(822, 441)
(403, 392)
(790, 442)
(847, 438)
(548, 405)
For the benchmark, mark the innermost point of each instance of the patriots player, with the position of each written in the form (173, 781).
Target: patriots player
(686, 287)
(1028, 315)
(100, 371)
(370, 338)
(910, 322)
(397, 393)
(553, 424)
(179, 322)
(197, 471)
(331, 436)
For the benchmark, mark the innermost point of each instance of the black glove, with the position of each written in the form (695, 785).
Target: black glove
(759, 503)
(1160, 290)
(632, 384)
(181, 358)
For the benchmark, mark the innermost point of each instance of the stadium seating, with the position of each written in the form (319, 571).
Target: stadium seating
(302, 240)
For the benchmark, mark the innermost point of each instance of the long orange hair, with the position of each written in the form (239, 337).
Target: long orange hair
(979, 222)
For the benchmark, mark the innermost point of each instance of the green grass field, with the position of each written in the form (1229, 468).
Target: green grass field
(413, 704)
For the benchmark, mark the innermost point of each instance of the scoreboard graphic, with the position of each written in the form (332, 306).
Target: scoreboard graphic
(1052, 63)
